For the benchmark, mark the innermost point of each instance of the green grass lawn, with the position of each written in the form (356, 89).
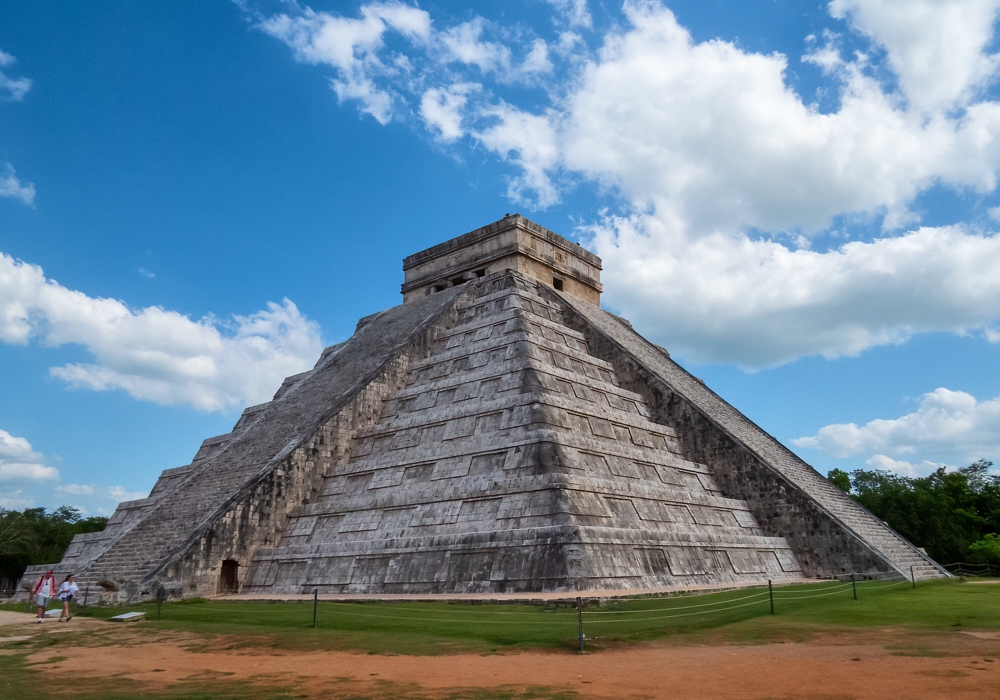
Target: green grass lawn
(429, 628)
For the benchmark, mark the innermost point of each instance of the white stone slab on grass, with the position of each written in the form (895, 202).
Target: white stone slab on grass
(129, 617)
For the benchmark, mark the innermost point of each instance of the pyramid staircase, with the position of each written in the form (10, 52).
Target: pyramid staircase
(511, 461)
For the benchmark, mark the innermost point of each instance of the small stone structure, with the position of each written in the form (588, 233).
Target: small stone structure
(497, 432)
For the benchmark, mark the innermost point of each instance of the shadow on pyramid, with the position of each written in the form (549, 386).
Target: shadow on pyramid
(498, 432)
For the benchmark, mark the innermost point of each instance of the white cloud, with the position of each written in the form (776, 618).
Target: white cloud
(10, 186)
(724, 171)
(19, 463)
(573, 12)
(713, 138)
(153, 353)
(441, 109)
(531, 142)
(15, 500)
(351, 46)
(75, 489)
(937, 48)
(728, 298)
(464, 43)
(119, 494)
(950, 426)
(537, 61)
(902, 467)
(15, 88)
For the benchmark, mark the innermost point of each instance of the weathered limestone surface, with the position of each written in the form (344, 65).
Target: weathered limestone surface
(829, 532)
(514, 461)
(513, 243)
(236, 493)
(497, 432)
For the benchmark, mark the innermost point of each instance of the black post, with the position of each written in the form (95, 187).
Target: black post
(913, 578)
(86, 592)
(315, 603)
(579, 620)
(770, 594)
(854, 586)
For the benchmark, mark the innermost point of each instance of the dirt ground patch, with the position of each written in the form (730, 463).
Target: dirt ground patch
(839, 665)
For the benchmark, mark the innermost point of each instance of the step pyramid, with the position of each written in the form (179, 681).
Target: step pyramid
(497, 432)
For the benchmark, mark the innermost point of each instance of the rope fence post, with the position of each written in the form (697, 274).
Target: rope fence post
(86, 592)
(579, 620)
(770, 595)
(854, 586)
(913, 578)
(315, 604)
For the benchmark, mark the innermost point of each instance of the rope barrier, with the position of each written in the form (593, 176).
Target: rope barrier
(676, 607)
(485, 609)
(902, 582)
(667, 617)
(461, 622)
(811, 595)
(564, 615)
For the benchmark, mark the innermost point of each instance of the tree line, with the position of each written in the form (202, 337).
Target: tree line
(954, 516)
(35, 536)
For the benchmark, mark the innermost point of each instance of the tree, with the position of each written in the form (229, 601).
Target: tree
(33, 536)
(946, 513)
(840, 479)
(986, 550)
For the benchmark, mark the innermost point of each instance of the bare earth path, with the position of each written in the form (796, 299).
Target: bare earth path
(882, 663)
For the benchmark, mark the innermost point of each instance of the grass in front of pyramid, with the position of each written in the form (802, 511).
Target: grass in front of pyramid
(735, 617)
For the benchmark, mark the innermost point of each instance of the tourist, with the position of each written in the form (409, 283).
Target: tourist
(43, 591)
(67, 590)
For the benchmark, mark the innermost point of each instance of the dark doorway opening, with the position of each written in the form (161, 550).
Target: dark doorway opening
(557, 284)
(228, 579)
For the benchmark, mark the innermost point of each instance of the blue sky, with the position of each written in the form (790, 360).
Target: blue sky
(798, 199)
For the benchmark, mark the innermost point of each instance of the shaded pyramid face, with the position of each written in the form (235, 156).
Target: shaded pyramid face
(513, 460)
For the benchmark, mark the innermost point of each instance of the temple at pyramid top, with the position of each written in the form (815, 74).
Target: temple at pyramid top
(512, 243)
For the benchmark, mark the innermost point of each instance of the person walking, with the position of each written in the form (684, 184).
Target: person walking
(43, 592)
(67, 590)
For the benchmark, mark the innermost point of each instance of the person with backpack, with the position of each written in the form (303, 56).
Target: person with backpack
(43, 592)
(67, 590)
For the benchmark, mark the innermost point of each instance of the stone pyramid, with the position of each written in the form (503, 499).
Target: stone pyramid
(497, 432)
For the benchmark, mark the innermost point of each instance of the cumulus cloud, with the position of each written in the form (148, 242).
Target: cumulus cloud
(725, 174)
(441, 109)
(12, 89)
(902, 467)
(10, 186)
(950, 426)
(388, 82)
(936, 48)
(351, 45)
(19, 463)
(531, 142)
(75, 489)
(119, 494)
(712, 138)
(726, 298)
(153, 353)
(574, 13)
